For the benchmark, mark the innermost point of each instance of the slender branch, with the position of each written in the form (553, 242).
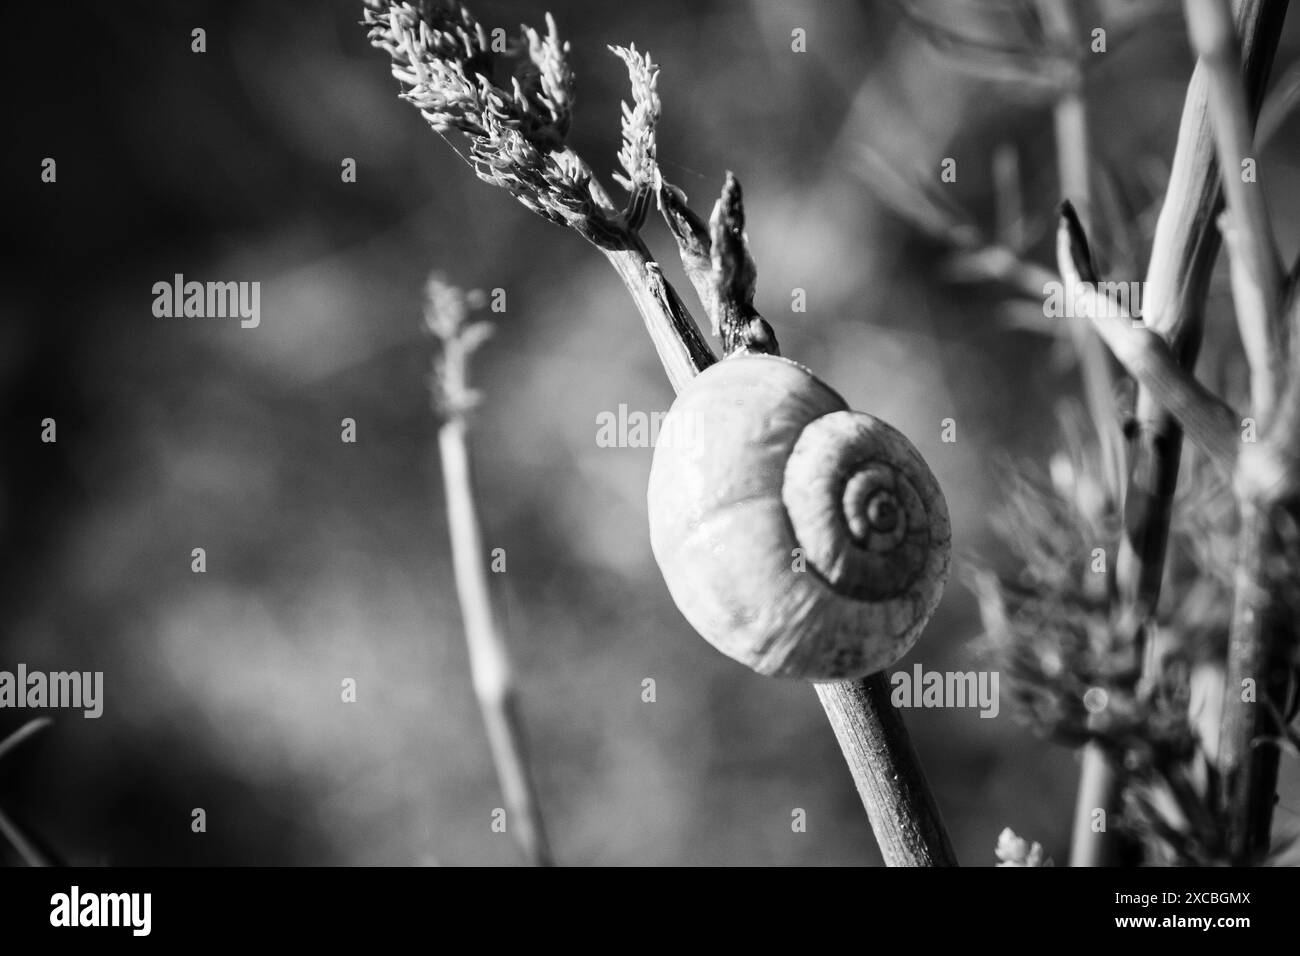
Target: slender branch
(1208, 421)
(676, 338)
(1256, 270)
(887, 772)
(1287, 420)
(1072, 161)
(1099, 786)
(1262, 632)
(1097, 779)
(1277, 107)
(1178, 275)
(23, 734)
(25, 847)
(1262, 339)
(489, 658)
(1260, 678)
(1186, 241)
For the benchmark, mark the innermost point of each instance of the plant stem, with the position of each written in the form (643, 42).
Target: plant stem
(446, 315)
(888, 774)
(1185, 245)
(1182, 258)
(1070, 118)
(1263, 339)
(493, 677)
(25, 848)
(1099, 789)
(1208, 421)
(23, 734)
(677, 340)
(1260, 650)
(1098, 782)
(1256, 271)
(1186, 241)
(1183, 251)
(1262, 635)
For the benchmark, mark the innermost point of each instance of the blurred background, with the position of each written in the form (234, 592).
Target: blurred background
(328, 560)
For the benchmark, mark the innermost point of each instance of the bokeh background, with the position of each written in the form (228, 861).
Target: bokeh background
(329, 560)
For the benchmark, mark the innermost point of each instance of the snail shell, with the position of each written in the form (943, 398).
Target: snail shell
(798, 537)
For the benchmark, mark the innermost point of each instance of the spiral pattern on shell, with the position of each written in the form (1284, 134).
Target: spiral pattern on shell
(798, 537)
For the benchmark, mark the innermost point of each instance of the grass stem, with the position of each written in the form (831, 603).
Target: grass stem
(489, 658)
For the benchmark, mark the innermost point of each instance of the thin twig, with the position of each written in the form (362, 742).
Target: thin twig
(676, 338)
(1208, 421)
(1256, 270)
(1186, 241)
(1262, 632)
(678, 342)
(1183, 250)
(887, 771)
(31, 855)
(489, 658)
(1260, 651)
(1097, 779)
(1277, 107)
(1072, 162)
(1099, 789)
(1262, 339)
(1178, 276)
(25, 847)
(23, 734)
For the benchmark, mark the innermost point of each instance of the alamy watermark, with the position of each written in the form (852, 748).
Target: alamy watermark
(77, 690)
(1120, 300)
(74, 908)
(209, 300)
(629, 428)
(946, 689)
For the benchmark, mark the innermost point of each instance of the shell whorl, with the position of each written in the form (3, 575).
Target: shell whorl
(798, 537)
